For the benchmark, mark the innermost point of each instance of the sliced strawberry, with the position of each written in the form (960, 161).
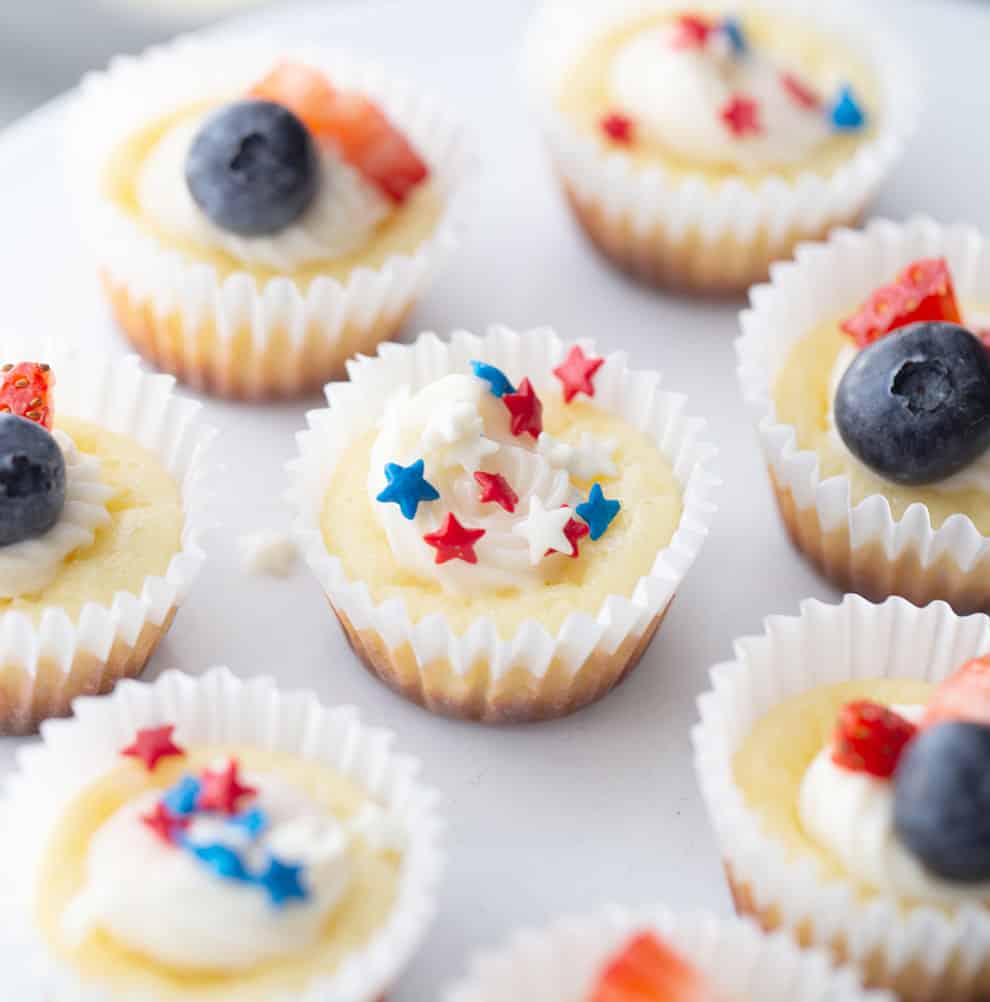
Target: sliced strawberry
(923, 291)
(870, 738)
(365, 137)
(647, 970)
(964, 695)
(26, 390)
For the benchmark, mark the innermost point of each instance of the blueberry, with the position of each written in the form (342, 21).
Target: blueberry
(915, 406)
(32, 479)
(253, 168)
(942, 800)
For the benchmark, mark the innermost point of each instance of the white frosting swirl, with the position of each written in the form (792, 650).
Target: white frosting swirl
(26, 567)
(852, 814)
(457, 426)
(975, 477)
(675, 95)
(341, 218)
(160, 900)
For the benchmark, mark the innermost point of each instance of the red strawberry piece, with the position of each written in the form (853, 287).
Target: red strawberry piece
(26, 390)
(964, 695)
(618, 127)
(647, 970)
(870, 738)
(360, 130)
(923, 291)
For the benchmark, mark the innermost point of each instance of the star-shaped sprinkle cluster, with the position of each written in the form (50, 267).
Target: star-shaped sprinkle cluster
(525, 410)
(543, 530)
(407, 487)
(576, 373)
(493, 488)
(218, 802)
(152, 744)
(455, 428)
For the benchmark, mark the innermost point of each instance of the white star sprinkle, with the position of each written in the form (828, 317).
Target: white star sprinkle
(454, 434)
(544, 530)
(557, 454)
(592, 457)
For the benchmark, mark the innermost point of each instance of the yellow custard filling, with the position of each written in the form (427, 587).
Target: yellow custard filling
(363, 909)
(402, 232)
(144, 532)
(770, 764)
(651, 511)
(801, 394)
(583, 94)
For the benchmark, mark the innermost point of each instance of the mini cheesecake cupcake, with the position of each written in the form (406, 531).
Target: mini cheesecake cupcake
(843, 757)
(866, 364)
(653, 955)
(500, 522)
(212, 839)
(260, 215)
(101, 513)
(698, 143)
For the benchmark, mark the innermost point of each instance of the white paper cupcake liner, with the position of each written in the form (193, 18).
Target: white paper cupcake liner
(44, 666)
(556, 667)
(218, 708)
(863, 547)
(686, 231)
(560, 963)
(926, 954)
(183, 313)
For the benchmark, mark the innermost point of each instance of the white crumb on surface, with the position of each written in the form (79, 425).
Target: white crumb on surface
(267, 552)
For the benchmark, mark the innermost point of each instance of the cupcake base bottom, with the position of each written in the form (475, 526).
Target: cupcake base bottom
(28, 698)
(515, 697)
(870, 572)
(912, 981)
(686, 261)
(234, 366)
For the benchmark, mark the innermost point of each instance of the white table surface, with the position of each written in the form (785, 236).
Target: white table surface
(603, 806)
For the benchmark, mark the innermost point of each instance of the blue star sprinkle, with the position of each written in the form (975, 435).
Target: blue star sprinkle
(734, 33)
(406, 487)
(221, 859)
(497, 380)
(282, 882)
(847, 115)
(253, 821)
(598, 511)
(181, 799)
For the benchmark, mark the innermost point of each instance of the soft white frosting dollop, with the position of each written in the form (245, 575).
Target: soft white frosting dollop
(975, 477)
(26, 567)
(341, 218)
(675, 96)
(457, 426)
(162, 901)
(852, 814)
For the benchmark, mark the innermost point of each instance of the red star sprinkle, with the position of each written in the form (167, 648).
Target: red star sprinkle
(618, 127)
(526, 410)
(453, 542)
(692, 32)
(494, 487)
(575, 373)
(164, 823)
(222, 790)
(152, 744)
(800, 91)
(742, 116)
(574, 530)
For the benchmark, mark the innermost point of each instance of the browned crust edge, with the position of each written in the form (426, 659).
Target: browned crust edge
(868, 570)
(515, 697)
(29, 697)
